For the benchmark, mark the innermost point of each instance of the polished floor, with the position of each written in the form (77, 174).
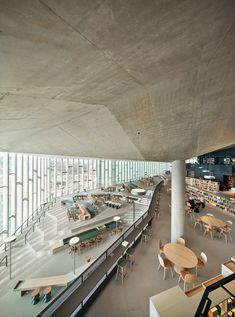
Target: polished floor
(132, 298)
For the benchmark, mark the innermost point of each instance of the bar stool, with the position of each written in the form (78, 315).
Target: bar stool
(144, 237)
(130, 255)
(47, 294)
(35, 296)
(121, 265)
(149, 231)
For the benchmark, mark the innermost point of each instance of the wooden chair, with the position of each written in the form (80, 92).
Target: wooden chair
(180, 241)
(197, 221)
(226, 232)
(72, 248)
(209, 229)
(188, 211)
(160, 247)
(82, 246)
(178, 270)
(98, 239)
(188, 278)
(229, 224)
(201, 261)
(166, 264)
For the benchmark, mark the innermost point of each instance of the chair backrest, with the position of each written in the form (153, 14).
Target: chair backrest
(159, 244)
(230, 222)
(180, 241)
(203, 257)
(160, 259)
(190, 278)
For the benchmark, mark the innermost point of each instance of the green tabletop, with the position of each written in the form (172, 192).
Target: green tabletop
(87, 235)
(67, 202)
(111, 225)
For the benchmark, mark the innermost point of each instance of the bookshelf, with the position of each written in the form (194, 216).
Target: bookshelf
(225, 308)
(203, 184)
(211, 198)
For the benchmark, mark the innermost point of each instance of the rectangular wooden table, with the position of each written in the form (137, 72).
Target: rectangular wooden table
(30, 284)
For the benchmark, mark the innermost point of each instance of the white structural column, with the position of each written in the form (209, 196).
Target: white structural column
(177, 200)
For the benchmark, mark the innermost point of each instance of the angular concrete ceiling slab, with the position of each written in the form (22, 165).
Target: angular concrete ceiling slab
(144, 80)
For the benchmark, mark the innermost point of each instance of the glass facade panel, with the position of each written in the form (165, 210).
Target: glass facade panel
(28, 180)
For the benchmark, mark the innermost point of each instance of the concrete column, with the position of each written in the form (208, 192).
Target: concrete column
(177, 200)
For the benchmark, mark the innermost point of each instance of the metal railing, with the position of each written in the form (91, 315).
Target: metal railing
(4, 259)
(205, 303)
(134, 230)
(30, 221)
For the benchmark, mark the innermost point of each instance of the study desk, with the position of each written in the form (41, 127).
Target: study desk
(212, 221)
(180, 255)
(138, 191)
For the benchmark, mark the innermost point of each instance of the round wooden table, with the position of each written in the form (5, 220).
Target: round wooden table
(180, 255)
(212, 221)
(138, 191)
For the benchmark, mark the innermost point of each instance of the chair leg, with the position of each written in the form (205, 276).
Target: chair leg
(172, 272)
(179, 279)
(184, 286)
(226, 239)
(117, 273)
(196, 270)
(164, 275)
(159, 267)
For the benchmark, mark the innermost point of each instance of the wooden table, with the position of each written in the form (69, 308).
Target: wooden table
(212, 221)
(180, 255)
(138, 191)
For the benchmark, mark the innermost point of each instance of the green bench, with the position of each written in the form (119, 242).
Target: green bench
(83, 236)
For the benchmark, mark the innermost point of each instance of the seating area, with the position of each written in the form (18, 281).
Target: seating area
(112, 204)
(36, 284)
(182, 259)
(82, 211)
(146, 181)
(214, 227)
(94, 236)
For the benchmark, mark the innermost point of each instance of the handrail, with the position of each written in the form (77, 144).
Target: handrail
(28, 222)
(4, 258)
(42, 209)
(205, 303)
(54, 304)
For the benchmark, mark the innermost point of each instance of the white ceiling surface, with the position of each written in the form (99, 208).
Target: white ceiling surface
(150, 80)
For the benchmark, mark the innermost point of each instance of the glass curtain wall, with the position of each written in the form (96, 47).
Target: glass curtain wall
(26, 181)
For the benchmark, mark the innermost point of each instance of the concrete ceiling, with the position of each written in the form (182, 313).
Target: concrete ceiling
(143, 79)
